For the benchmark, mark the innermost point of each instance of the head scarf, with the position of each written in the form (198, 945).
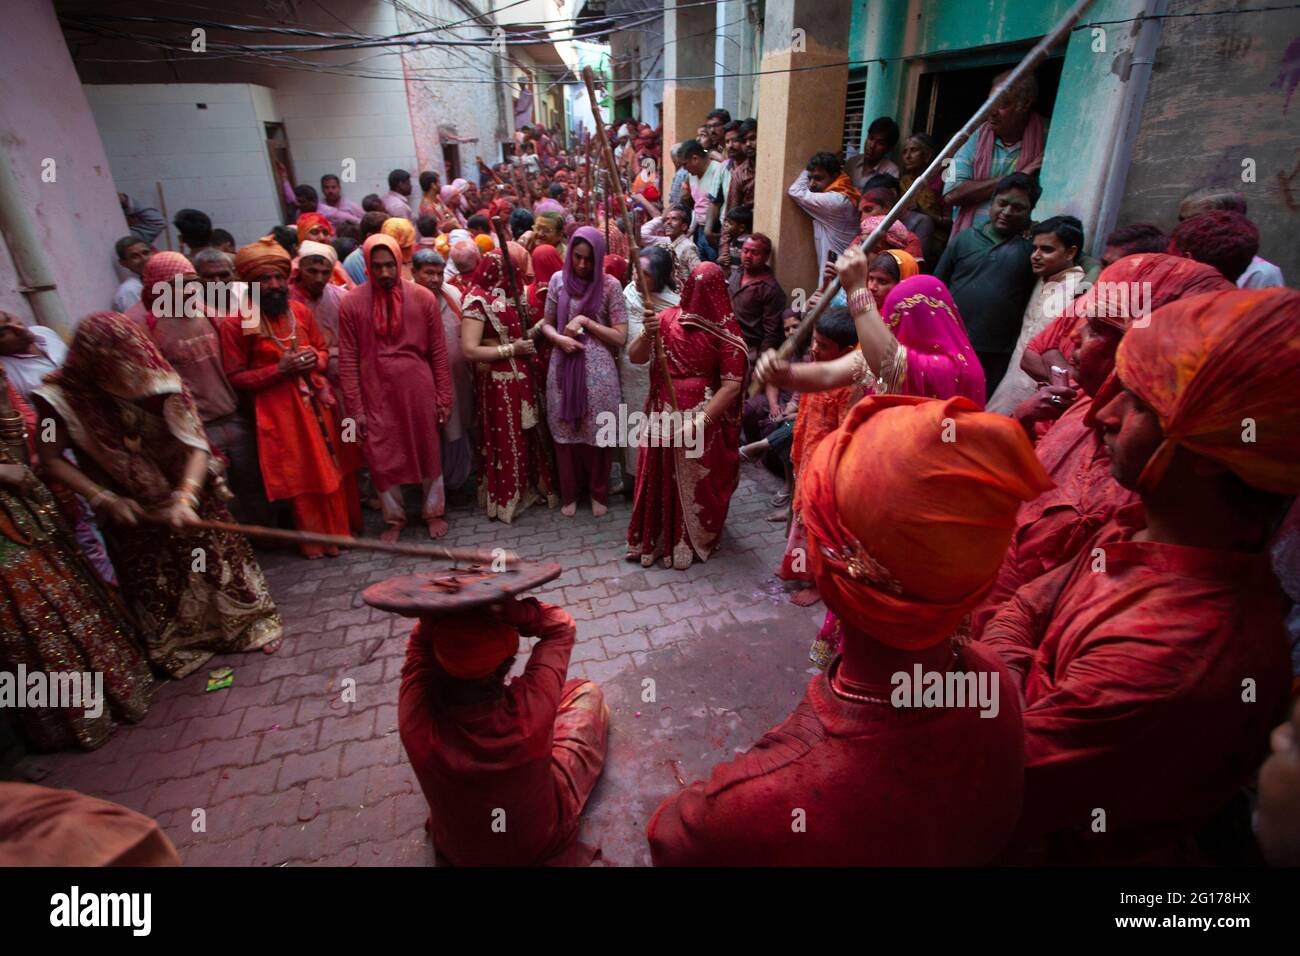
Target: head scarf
(1143, 283)
(256, 258)
(386, 304)
(112, 363)
(521, 260)
(940, 360)
(403, 232)
(546, 262)
(322, 249)
(484, 242)
(616, 266)
(705, 300)
(936, 514)
(898, 236)
(907, 266)
(309, 220)
(1214, 366)
(448, 194)
(844, 185)
(162, 267)
(577, 297)
(469, 645)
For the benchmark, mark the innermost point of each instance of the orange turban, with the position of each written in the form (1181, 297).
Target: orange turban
(484, 243)
(403, 232)
(1222, 372)
(931, 487)
(255, 258)
(469, 644)
(1143, 283)
(309, 220)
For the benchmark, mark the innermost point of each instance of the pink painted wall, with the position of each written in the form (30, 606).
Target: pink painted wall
(44, 114)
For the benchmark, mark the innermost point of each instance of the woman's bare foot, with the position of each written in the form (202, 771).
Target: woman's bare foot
(598, 509)
(780, 514)
(437, 527)
(273, 646)
(569, 510)
(391, 533)
(805, 598)
(752, 452)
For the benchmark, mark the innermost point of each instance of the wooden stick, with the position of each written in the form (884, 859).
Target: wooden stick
(1033, 59)
(347, 541)
(632, 238)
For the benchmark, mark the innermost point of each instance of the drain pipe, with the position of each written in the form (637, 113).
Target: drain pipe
(36, 279)
(1136, 74)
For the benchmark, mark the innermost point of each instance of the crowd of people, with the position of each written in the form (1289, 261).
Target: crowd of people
(1006, 464)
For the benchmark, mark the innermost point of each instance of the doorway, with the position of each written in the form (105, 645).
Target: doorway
(277, 147)
(451, 160)
(947, 96)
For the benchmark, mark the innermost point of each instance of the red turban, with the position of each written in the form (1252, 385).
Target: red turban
(256, 258)
(162, 267)
(1143, 283)
(309, 220)
(469, 644)
(931, 487)
(1222, 372)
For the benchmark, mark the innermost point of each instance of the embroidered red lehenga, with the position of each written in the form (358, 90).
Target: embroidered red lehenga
(681, 501)
(513, 448)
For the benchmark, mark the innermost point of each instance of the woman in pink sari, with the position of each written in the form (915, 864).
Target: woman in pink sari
(918, 347)
(683, 491)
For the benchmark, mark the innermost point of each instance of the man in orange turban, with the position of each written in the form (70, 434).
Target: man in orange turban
(1154, 664)
(1052, 528)
(506, 768)
(904, 752)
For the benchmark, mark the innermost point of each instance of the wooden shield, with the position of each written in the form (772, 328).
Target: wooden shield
(456, 589)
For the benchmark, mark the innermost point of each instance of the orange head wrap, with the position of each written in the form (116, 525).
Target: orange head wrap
(1130, 289)
(1217, 368)
(308, 220)
(484, 243)
(256, 258)
(386, 304)
(469, 644)
(404, 233)
(909, 507)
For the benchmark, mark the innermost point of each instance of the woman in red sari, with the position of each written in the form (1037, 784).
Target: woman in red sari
(682, 498)
(513, 447)
(546, 262)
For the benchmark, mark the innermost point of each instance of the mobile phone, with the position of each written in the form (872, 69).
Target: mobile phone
(1060, 376)
(831, 255)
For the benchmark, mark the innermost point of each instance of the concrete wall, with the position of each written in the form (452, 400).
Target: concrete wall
(213, 159)
(1224, 90)
(43, 114)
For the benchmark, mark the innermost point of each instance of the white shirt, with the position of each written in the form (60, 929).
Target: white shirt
(835, 218)
(27, 369)
(1260, 274)
(128, 294)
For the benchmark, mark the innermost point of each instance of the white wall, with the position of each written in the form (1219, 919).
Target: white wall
(43, 114)
(213, 159)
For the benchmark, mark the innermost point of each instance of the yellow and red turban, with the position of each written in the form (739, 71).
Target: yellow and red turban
(909, 507)
(404, 232)
(1222, 372)
(469, 644)
(256, 258)
(309, 220)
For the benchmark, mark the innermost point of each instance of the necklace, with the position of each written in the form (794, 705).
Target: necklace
(285, 342)
(840, 692)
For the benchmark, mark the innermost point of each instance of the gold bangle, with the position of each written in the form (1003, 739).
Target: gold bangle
(860, 300)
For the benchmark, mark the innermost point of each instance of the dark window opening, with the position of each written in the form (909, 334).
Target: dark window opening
(948, 96)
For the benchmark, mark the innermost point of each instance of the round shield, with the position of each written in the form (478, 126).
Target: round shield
(456, 589)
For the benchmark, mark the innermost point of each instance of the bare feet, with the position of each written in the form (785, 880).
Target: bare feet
(780, 514)
(273, 646)
(805, 598)
(569, 510)
(391, 533)
(598, 509)
(437, 527)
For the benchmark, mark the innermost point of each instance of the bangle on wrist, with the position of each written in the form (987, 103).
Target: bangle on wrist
(101, 496)
(187, 497)
(860, 299)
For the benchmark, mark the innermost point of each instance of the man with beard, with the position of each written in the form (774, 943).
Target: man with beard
(311, 286)
(393, 366)
(279, 357)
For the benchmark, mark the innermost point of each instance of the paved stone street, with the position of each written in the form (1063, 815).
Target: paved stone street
(287, 773)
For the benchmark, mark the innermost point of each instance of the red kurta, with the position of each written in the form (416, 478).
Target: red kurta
(506, 779)
(681, 502)
(1051, 529)
(399, 382)
(879, 786)
(297, 458)
(1134, 694)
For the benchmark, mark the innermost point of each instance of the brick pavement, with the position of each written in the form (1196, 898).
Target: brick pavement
(285, 772)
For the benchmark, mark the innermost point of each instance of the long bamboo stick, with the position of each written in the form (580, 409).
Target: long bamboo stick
(1033, 59)
(634, 245)
(472, 555)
